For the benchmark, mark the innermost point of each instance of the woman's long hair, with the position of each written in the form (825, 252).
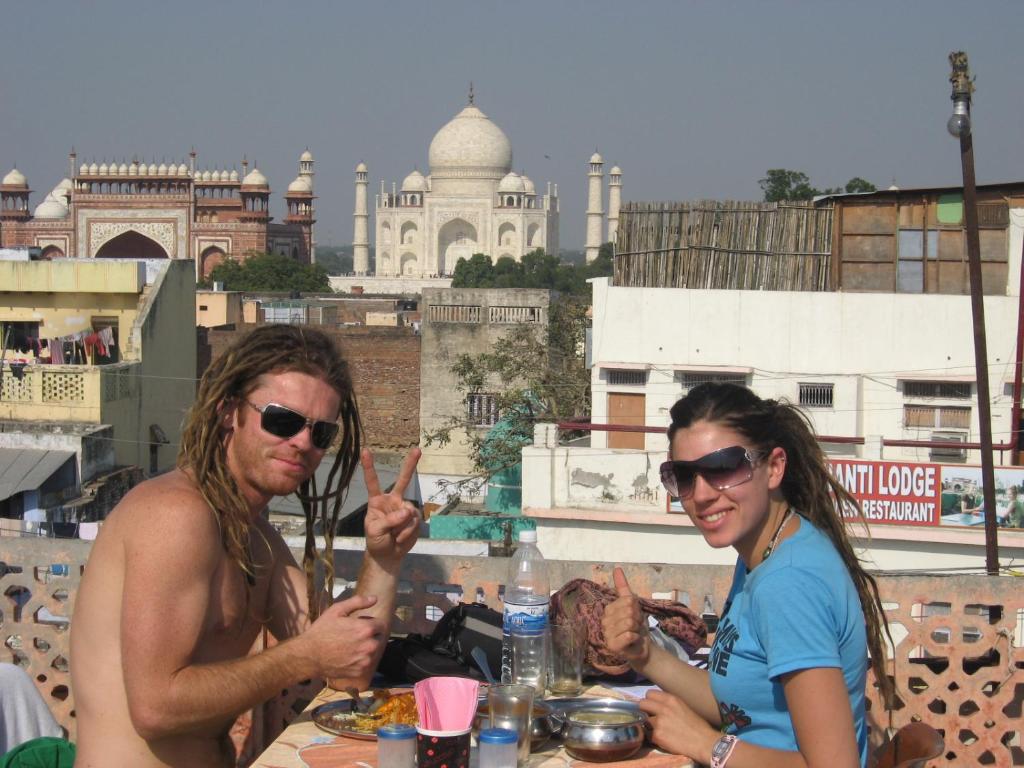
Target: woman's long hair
(230, 379)
(807, 485)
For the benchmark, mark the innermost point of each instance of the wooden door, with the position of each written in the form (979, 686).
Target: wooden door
(626, 409)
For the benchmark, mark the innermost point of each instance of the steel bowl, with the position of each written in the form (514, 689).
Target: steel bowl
(602, 734)
(542, 726)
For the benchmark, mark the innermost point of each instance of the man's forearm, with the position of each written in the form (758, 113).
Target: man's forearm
(201, 698)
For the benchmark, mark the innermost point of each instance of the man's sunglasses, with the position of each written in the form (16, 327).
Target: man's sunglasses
(722, 469)
(284, 422)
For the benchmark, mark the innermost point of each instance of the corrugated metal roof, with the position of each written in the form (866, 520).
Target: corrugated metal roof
(25, 469)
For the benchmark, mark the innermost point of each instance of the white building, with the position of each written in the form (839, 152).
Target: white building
(470, 202)
(872, 366)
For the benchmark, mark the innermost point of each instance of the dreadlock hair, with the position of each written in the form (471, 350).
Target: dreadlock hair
(230, 378)
(807, 485)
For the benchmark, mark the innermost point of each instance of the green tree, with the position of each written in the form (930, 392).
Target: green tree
(269, 272)
(857, 184)
(474, 272)
(781, 184)
(536, 377)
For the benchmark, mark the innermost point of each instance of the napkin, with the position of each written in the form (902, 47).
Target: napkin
(446, 703)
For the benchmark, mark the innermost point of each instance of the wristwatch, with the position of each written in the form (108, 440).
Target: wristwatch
(722, 750)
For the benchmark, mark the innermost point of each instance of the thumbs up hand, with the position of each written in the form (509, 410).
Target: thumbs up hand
(625, 625)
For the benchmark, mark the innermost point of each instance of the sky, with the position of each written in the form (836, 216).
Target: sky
(694, 100)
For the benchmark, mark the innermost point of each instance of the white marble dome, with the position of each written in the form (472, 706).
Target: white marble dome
(414, 182)
(15, 178)
(301, 184)
(94, 169)
(596, 158)
(255, 179)
(512, 182)
(306, 157)
(64, 187)
(361, 168)
(470, 142)
(233, 177)
(615, 171)
(182, 170)
(51, 208)
(528, 186)
(103, 169)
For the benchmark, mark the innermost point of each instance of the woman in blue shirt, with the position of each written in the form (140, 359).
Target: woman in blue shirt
(785, 685)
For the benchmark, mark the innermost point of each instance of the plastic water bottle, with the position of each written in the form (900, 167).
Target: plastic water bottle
(527, 592)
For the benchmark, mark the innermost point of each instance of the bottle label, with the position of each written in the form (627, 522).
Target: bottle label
(521, 617)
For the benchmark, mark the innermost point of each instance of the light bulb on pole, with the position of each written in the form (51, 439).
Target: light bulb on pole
(960, 121)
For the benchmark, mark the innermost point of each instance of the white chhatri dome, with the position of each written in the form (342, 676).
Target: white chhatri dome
(301, 184)
(414, 182)
(51, 208)
(616, 171)
(361, 168)
(596, 158)
(512, 182)
(306, 157)
(15, 178)
(470, 141)
(255, 179)
(528, 186)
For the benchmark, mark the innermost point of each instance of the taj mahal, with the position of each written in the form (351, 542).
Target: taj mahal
(471, 201)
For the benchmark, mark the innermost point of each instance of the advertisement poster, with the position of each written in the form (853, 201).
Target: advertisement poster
(908, 493)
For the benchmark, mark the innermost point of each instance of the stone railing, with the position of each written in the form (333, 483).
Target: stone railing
(64, 392)
(957, 663)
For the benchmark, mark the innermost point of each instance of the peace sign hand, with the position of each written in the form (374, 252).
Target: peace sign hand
(392, 523)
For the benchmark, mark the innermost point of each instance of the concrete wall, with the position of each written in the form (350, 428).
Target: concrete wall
(444, 340)
(215, 308)
(866, 344)
(392, 285)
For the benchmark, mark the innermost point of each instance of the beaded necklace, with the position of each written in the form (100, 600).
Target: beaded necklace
(778, 532)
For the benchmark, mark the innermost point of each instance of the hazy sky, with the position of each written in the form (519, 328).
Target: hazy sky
(693, 100)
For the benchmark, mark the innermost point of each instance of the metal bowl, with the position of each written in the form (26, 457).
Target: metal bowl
(542, 726)
(602, 734)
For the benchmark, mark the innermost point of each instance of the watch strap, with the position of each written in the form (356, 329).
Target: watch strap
(722, 750)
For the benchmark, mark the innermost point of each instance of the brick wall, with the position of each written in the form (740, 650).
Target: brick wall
(385, 366)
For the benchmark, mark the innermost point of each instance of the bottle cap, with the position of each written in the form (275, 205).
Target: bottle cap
(497, 736)
(396, 732)
(528, 536)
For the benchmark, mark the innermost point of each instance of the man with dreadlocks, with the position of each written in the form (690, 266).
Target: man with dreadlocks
(186, 571)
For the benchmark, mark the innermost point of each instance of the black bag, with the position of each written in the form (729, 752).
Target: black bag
(448, 649)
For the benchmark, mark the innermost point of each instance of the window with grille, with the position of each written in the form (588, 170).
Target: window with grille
(948, 389)
(514, 315)
(936, 417)
(816, 395)
(954, 452)
(482, 409)
(454, 313)
(690, 379)
(624, 377)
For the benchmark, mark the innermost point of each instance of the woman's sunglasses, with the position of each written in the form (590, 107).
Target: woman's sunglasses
(722, 469)
(284, 422)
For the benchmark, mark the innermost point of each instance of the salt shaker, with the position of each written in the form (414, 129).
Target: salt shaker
(497, 748)
(396, 746)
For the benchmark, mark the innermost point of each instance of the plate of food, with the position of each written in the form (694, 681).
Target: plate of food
(386, 708)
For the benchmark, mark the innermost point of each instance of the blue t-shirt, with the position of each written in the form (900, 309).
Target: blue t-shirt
(799, 609)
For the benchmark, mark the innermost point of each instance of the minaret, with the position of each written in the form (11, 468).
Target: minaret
(595, 211)
(361, 229)
(614, 200)
(306, 170)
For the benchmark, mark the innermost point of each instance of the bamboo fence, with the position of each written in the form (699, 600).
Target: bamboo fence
(725, 244)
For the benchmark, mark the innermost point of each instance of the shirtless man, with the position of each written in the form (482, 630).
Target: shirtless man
(186, 572)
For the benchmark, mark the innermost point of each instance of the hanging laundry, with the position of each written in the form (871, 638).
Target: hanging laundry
(18, 370)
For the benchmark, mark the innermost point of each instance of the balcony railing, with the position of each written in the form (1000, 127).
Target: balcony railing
(957, 661)
(64, 392)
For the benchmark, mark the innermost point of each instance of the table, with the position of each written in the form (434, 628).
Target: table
(304, 745)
